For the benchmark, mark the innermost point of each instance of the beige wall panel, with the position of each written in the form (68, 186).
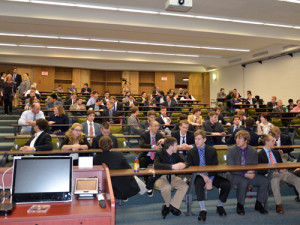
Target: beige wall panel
(196, 85)
(165, 85)
(206, 88)
(44, 83)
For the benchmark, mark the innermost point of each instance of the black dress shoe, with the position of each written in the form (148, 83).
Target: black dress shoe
(175, 211)
(240, 209)
(221, 211)
(259, 207)
(165, 211)
(202, 216)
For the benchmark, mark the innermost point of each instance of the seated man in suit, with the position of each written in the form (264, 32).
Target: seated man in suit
(151, 139)
(144, 126)
(53, 102)
(72, 100)
(267, 155)
(78, 106)
(279, 109)
(290, 105)
(85, 89)
(169, 103)
(160, 98)
(109, 112)
(72, 88)
(183, 117)
(282, 139)
(243, 154)
(156, 91)
(187, 96)
(195, 119)
(249, 123)
(213, 127)
(92, 100)
(202, 155)
(130, 103)
(117, 105)
(250, 102)
(105, 131)
(98, 106)
(185, 138)
(272, 104)
(236, 125)
(133, 121)
(164, 120)
(42, 140)
(169, 159)
(106, 96)
(90, 128)
(220, 116)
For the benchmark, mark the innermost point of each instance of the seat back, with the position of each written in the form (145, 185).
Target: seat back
(19, 142)
(252, 113)
(55, 142)
(222, 155)
(277, 122)
(204, 112)
(116, 130)
(81, 119)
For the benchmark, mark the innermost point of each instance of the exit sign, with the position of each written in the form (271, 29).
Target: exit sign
(44, 73)
(164, 78)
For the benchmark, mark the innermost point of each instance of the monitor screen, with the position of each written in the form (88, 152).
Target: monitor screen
(42, 179)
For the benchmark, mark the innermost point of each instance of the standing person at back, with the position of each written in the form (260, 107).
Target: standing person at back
(243, 154)
(24, 86)
(17, 79)
(8, 93)
(221, 99)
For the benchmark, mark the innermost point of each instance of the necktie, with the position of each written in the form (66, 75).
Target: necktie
(91, 132)
(32, 128)
(281, 109)
(243, 160)
(202, 159)
(272, 161)
(137, 119)
(110, 115)
(183, 139)
(152, 155)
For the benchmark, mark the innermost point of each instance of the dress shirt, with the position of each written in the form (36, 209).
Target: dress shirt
(181, 138)
(91, 101)
(28, 92)
(165, 118)
(28, 116)
(152, 146)
(296, 109)
(268, 155)
(34, 139)
(235, 127)
(97, 109)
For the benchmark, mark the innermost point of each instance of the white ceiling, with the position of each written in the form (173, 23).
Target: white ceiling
(41, 19)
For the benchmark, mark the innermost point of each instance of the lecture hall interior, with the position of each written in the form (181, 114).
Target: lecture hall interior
(180, 60)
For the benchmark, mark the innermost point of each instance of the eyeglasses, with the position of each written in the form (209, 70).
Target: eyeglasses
(77, 130)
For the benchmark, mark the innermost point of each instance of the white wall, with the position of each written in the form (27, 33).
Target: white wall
(279, 77)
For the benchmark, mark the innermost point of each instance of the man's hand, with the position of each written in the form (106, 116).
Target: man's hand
(32, 123)
(298, 169)
(27, 148)
(161, 141)
(250, 174)
(51, 122)
(157, 147)
(178, 166)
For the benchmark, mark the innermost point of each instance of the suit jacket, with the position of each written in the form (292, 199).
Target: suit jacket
(134, 102)
(270, 105)
(234, 157)
(72, 89)
(157, 100)
(42, 143)
(190, 140)
(145, 141)
(124, 187)
(247, 102)
(95, 143)
(162, 162)
(191, 119)
(279, 112)
(18, 79)
(172, 104)
(211, 157)
(105, 113)
(191, 127)
(230, 129)
(88, 89)
(119, 107)
(132, 120)
(263, 158)
(286, 140)
(253, 137)
(97, 128)
(161, 121)
(206, 126)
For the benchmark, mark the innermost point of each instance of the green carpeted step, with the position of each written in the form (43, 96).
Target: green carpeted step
(6, 146)
(6, 129)
(2, 135)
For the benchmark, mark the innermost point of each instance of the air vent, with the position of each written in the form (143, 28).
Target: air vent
(260, 54)
(235, 60)
(289, 46)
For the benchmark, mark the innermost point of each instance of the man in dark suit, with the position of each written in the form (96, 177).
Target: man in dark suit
(169, 159)
(42, 140)
(160, 98)
(282, 139)
(156, 91)
(124, 187)
(236, 125)
(267, 155)
(151, 139)
(99, 105)
(17, 78)
(105, 131)
(72, 100)
(249, 123)
(213, 127)
(109, 112)
(243, 154)
(144, 126)
(72, 88)
(185, 138)
(117, 105)
(90, 128)
(220, 116)
(202, 155)
(164, 120)
(86, 89)
(183, 117)
(279, 109)
(169, 103)
(250, 102)
(130, 103)
(272, 104)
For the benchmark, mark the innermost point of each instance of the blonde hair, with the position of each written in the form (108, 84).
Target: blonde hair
(9, 76)
(25, 77)
(69, 134)
(61, 110)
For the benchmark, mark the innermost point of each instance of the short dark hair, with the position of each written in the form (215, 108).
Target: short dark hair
(216, 108)
(249, 122)
(105, 125)
(235, 116)
(183, 122)
(169, 141)
(54, 96)
(134, 109)
(106, 92)
(266, 115)
(95, 92)
(221, 89)
(290, 100)
(105, 143)
(163, 107)
(244, 134)
(89, 112)
(196, 109)
(99, 99)
(212, 113)
(151, 113)
(86, 84)
(161, 92)
(42, 124)
(183, 117)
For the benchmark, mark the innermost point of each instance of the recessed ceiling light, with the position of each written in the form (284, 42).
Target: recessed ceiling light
(185, 79)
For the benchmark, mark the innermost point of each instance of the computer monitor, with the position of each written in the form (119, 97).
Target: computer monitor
(42, 179)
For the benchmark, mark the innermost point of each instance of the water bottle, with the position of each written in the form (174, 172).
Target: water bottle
(136, 164)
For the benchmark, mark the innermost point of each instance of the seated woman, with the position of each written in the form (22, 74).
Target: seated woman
(264, 126)
(124, 187)
(75, 140)
(32, 99)
(195, 119)
(149, 102)
(59, 117)
(236, 104)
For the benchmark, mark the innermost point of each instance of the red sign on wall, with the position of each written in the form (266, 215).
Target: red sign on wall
(44, 73)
